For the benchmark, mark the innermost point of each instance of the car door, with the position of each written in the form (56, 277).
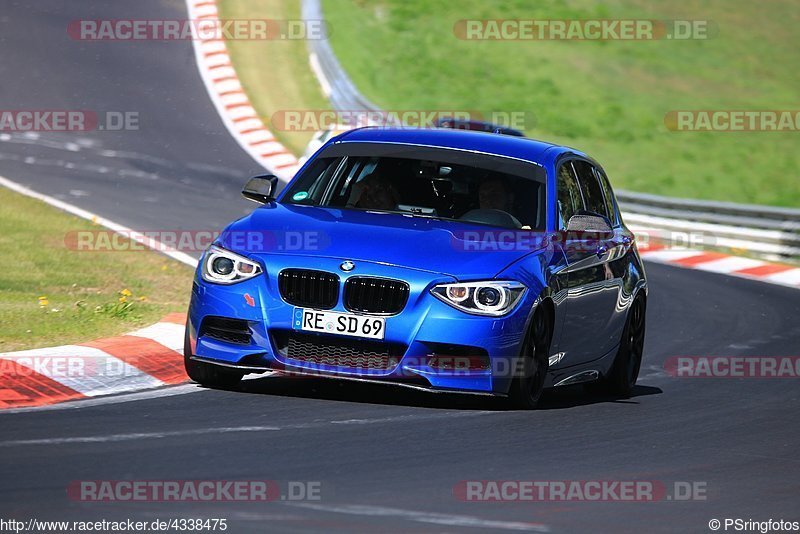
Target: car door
(592, 278)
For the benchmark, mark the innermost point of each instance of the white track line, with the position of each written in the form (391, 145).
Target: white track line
(111, 438)
(129, 378)
(124, 231)
(434, 518)
(221, 430)
(169, 391)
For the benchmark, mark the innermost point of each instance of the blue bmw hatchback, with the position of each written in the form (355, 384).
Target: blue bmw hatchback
(446, 260)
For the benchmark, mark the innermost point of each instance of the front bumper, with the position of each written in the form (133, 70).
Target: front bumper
(426, 326)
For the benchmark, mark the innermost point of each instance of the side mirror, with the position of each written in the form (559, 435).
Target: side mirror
(589, 222)
(261, 188)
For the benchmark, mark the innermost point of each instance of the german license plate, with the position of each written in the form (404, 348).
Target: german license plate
(343, 324)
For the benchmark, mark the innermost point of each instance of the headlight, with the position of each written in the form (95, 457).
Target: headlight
(222, 266)
(492, 297)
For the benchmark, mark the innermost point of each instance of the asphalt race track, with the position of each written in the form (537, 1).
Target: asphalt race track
(386, 458)
(180, 170)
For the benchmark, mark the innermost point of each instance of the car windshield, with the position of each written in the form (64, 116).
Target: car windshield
(426, 182)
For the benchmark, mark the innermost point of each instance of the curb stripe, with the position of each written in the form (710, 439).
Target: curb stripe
(276, 153)
(700, 258)
(22, 387)
(790, 278)
(212, 58)
(765, 270)
(144, 359)
(739, 266)
(144, 354)
(177, 318)
(728, 264)
(87, 370)
(261, 142)
(168, 334)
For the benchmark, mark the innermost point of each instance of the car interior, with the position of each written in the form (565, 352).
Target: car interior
(430, 188)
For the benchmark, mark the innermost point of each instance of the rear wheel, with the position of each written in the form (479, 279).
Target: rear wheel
(207, 374)
(625, 370)
(528, 384)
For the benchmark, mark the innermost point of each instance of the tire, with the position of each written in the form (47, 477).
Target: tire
(207, 374)
(528, 384)
(625, 369)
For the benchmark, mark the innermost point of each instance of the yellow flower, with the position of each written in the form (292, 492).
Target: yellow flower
(123, 299)
(43, 302)
(125, 293)
(142, 299)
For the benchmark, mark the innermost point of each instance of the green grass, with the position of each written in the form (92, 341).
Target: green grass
(275, 73)
(51, 294)
(605, 98)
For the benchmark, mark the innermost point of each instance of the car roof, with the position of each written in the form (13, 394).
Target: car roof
(491, 143)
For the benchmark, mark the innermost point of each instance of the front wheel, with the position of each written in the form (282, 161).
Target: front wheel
(528, 384)
(207, 374)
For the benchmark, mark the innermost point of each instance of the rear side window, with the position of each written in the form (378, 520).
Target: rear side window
(593, 198)
(569, 194)
(608, 194)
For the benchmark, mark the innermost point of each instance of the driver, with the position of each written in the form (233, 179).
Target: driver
(495, 201)
(494, 195)
(377, 193)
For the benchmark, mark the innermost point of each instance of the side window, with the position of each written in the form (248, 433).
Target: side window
(609, 195)
(313, 181)
(569, 194)
(590, 187)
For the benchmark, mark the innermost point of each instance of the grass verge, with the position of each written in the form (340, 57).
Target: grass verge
(608, 98)
(275, 73)
(52, 295)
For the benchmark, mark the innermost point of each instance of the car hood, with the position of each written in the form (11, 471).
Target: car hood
(461, 250)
